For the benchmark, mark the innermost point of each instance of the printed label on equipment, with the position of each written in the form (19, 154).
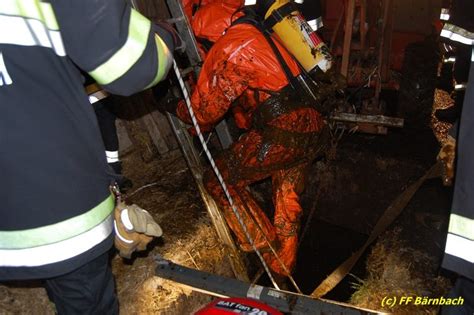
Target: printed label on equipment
(240, 308)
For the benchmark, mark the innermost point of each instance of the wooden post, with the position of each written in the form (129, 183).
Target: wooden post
(385, 39)
(346, 50)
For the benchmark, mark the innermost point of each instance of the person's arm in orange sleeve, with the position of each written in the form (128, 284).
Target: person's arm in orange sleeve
(219, 84)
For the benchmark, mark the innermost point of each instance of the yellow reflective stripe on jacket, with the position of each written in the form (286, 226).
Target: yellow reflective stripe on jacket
(59, 231)
(117, 65)
(460, 239)
(60, 251)
(461, 226)
(31, 9)
(164, 61)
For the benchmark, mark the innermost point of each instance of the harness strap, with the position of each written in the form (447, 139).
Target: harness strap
(251, 19)
(279, 14)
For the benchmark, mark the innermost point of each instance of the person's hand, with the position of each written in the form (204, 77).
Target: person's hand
(331, 77)
(134, 229)
(446, 156)
(163, 29)
(168, 103)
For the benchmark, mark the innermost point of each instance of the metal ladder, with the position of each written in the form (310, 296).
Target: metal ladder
(189, 152)
(195, 60)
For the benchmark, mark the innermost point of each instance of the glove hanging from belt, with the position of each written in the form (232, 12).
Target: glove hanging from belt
(447, 156)
(134, 229)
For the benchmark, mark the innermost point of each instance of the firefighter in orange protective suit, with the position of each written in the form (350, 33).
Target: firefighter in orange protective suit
(285, 132)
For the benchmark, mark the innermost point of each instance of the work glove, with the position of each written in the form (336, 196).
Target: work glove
(446, 156)
(134, 229)
(170, 36)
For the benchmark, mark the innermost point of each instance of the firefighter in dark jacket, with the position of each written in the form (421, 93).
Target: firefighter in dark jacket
(457, 38)
(458, 152)
(57, 212)
(283, 134)
(459, 249)
(105, 107)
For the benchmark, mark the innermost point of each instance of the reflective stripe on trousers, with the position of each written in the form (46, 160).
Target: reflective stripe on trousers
(460, 240)
(112, 156)
(97, 96)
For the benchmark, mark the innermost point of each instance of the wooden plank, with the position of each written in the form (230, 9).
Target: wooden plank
(346, 50)
(388, 41)
(165, 129)
(125, 144)
(155, 134)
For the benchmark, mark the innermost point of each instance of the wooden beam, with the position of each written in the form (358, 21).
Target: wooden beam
(346, 50)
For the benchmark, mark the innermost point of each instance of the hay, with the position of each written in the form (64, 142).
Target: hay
(189, 239)
(24, 298)
(394, 270)
(442, 100)
(153, 295)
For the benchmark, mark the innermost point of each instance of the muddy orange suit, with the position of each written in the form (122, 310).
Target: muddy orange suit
(242, 65)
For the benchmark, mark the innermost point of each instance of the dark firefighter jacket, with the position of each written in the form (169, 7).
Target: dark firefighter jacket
(459, 251)
(459, 25)
(56, 204)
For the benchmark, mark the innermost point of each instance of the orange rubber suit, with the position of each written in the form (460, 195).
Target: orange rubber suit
(190, 5)
(211, 20)
(242, 66)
